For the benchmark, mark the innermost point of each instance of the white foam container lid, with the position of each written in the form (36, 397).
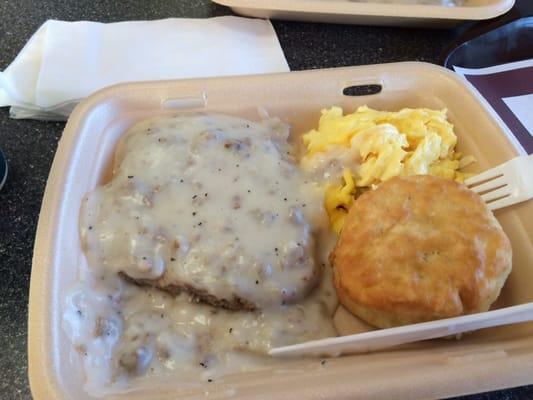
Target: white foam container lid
(372, 13)
(481, 361)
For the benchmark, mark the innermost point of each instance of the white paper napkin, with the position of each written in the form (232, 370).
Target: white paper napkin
(64, 62)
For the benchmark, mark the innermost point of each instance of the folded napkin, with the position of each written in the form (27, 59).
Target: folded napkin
(64, 62)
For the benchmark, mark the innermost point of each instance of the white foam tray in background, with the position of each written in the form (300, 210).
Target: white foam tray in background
(370, 13)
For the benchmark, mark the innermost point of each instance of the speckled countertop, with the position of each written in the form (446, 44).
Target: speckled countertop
(30, 145)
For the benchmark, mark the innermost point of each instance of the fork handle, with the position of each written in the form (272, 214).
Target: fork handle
(385, 338)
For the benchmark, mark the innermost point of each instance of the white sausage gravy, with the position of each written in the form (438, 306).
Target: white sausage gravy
(202, 254)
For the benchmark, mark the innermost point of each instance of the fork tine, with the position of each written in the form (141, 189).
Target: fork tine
(492, 184)
(496, 194)
(486, 175)
(501, 203)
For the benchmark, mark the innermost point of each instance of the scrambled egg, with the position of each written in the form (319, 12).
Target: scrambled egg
(374, 146)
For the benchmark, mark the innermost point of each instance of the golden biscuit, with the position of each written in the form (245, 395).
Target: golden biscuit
(419, 248)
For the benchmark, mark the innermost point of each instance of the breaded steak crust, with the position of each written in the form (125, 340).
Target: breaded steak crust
(419, 248)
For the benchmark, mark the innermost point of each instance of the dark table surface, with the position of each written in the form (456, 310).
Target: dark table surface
(30, 145)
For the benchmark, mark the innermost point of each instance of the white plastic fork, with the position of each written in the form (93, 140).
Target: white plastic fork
(386, 338)
(501, 186)
(506, 184)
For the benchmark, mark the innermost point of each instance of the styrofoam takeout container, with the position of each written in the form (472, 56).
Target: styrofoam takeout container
(370, 13)
(481, 361)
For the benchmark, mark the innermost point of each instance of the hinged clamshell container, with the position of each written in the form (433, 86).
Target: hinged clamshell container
(480, 361)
